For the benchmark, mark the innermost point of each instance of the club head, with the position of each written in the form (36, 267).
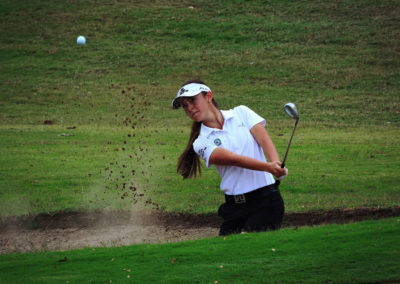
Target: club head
(291, 110)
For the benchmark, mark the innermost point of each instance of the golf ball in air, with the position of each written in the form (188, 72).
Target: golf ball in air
(81, 40)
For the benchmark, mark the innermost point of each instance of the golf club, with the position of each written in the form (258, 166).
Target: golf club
(291, 110)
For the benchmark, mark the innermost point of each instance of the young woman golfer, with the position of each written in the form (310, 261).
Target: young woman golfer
(235, 141)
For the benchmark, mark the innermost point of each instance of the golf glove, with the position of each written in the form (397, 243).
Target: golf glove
(282, 177)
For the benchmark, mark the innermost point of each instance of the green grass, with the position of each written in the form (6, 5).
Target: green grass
(42, 171)
(338, 61)
(366, 252)
(311, 52)
(51, 168)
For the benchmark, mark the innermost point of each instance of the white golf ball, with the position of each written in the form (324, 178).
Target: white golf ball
(81, 40)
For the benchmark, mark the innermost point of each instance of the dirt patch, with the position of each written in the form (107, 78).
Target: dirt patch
(73, 230)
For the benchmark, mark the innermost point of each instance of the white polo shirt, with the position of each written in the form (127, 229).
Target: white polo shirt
(236, 137)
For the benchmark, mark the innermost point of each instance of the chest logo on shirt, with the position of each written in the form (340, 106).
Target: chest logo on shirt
(217, 142)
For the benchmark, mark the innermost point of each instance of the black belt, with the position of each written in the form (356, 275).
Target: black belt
(247, 197)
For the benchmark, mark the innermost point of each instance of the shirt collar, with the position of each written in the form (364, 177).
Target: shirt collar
(205, 130)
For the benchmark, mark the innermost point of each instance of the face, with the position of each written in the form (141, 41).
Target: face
(197, 107)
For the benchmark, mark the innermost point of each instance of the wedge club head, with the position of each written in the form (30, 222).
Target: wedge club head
(291, 110)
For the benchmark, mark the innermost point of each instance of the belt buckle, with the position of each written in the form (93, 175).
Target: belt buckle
(240, 198)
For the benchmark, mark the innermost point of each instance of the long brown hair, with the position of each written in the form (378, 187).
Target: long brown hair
(189, 162)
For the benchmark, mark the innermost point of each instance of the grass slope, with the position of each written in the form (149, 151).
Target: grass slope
(338, 61)
(366, 252)
(51, 168)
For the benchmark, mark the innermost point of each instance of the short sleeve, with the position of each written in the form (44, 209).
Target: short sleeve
(249, 117)
(204, 148)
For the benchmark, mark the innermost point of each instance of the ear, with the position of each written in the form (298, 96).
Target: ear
(209, 96)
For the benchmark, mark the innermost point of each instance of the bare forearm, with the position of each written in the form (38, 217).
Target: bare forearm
(232, 159)
(225, 157)
(262, 137)
(270, 150)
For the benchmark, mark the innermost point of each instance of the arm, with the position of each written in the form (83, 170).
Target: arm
(263, 139)
(221, 156)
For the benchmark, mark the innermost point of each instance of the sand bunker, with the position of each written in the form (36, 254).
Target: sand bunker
(73, 230)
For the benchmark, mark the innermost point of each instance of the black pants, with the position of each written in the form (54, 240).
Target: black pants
(260, 213)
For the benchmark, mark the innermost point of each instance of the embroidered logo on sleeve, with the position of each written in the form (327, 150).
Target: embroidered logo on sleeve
(201, 152)
(217, 142)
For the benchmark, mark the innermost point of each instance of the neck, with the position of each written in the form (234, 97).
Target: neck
(216, 119)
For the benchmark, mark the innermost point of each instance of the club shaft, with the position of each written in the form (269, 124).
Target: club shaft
(290, 142)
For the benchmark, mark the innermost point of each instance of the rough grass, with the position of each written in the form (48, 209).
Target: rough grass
(338, 61)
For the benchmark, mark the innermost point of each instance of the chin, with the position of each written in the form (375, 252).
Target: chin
(196, 118)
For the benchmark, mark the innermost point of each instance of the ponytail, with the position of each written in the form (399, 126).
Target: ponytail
(188, 162)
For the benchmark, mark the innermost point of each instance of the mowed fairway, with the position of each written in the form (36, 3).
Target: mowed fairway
(89, 127)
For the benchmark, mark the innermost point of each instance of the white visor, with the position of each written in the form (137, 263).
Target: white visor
(189, 90)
